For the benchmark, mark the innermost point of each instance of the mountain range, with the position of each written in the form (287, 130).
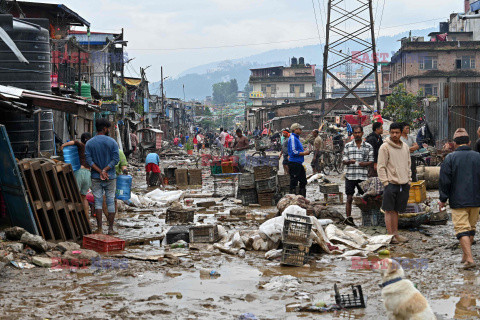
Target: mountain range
(199, 80)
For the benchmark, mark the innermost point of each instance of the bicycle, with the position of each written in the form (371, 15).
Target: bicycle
(338, 156)
(327, 163)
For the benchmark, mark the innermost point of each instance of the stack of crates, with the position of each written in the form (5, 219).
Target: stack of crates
(246, 189)
(266, 185)
(296, 240)
(283, 184)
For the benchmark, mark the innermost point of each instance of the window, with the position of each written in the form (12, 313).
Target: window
(428, 63)
(301, 88)
(269, 88)
(466, 62)
(430, 90)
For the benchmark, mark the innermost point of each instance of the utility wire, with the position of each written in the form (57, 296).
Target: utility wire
(381, 18)
(316, 22)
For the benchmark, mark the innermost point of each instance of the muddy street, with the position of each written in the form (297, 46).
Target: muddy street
(146, 283)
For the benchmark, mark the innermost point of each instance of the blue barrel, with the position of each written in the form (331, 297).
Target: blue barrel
(124, 184)
(70, 155)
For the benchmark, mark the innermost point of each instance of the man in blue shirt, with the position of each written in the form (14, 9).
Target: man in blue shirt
(102, 155)
(152, 168)
(295, 161)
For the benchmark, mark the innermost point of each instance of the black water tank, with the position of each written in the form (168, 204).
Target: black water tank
(444, 27)
(301, 61)
(34, 43)
(294, 61)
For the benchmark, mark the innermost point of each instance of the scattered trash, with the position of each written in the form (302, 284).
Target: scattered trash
(282, 283)
(22, 265)
(354, 300)
(209, 273)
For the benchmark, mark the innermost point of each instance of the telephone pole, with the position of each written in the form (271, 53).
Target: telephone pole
(359, 15)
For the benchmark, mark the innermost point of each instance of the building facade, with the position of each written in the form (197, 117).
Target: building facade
(278, 85)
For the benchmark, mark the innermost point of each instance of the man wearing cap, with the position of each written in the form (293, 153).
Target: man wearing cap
(460, 183)
(295, 161)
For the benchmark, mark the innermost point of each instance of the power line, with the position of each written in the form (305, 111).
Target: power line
(316, 22)
(406, 24)
(381, 18)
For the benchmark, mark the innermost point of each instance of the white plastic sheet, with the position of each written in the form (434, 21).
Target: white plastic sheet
(164, 196)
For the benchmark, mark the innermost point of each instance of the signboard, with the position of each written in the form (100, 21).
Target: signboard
(256, 94)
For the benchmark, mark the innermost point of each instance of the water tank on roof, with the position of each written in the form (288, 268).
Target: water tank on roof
(33, 41)
(444, 27)
(301, 61)
(294, 61)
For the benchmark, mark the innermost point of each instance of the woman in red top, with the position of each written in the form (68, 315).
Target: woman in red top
(377, 117)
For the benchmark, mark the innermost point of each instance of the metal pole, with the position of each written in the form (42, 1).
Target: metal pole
(122, 80)
(375, 58)
(79, 74)
(325, 62)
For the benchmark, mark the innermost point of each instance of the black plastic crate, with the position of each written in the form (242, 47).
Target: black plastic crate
(296, 229)
(246, 181)
(248, 196)
(267, 185)
(294, 254)
(266, 199)
(329, 188)
(354, 300)
(263, 172)
(177, 233)
(204, 234)
(372, 218)
(179, 216)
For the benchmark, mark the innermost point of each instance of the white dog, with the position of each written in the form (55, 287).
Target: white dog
(401, 299)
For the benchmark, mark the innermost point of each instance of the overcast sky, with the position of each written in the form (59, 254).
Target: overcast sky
(153, 25)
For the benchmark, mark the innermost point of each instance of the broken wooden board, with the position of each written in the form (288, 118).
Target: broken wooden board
(131, 240)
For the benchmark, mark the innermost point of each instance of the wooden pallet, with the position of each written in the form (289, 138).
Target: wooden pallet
(131, 240)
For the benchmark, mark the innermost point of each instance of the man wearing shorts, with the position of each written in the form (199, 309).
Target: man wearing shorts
(102, 155)
(460, 183)
(394, 171)
(357, 156)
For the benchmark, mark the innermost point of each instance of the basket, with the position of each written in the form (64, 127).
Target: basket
(246, 181)
(273, 161)
(216, 169)
(283, 180)
(329, 188)
(227, 167)
(195, 177)
(262, 173)
(354, 300)
(181, 177)
(204, 234)
(248, 196)
(294, 254)
(267, 185)
(179, 216)
(102, 243)
(418, 192)
(296, 229)
(373, 217)
(266, 199)
(177, 233)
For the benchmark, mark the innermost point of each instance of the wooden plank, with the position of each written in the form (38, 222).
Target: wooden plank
(131, 240)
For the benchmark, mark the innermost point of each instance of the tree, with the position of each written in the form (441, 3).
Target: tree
(225, 92)
(403, 106)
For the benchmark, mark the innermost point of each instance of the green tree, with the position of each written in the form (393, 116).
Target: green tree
(403, 106)
(225, 92)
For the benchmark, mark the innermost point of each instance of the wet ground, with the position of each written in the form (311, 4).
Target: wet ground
(158, 290)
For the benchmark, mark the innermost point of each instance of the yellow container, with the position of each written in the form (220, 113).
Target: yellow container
(418, 192)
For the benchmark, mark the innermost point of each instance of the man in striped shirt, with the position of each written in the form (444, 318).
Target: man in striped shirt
(357, 156)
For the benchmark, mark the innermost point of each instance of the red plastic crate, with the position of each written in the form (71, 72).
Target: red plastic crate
(102, 243)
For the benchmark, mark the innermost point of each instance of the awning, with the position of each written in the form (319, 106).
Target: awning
(132, 81)
(42, 100)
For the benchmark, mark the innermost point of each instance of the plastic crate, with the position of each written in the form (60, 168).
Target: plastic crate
(267, 185)
(294, 254)
(333, 198)
(216, 169)
(354, 300)
(329, 188)
(418, 192)
(204, 234)
(266, 199)
(195, 177)
(248, 196)
(262, 173)
(372, 218)
(177, 233)
(180, 216)
(283, 180)
(246, 181)
(227, 167)
(273, 161)
(296, 229)
(102, 243)
(262, 144)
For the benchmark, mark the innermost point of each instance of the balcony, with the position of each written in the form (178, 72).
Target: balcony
(283, 95)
